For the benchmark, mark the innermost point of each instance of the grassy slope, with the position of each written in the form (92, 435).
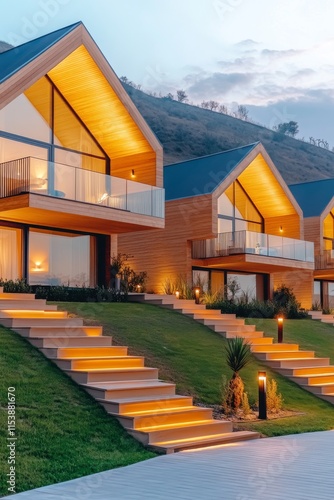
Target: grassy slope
(192, 355)
(61, 432)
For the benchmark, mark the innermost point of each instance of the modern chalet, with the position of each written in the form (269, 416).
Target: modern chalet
(317, 202)
(229, 216)
(78, 163)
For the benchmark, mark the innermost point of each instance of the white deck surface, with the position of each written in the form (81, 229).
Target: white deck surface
(296, 467)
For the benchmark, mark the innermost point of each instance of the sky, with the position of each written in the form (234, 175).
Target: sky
(275, 58)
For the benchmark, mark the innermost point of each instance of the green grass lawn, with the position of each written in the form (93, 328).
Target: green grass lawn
(62, 433)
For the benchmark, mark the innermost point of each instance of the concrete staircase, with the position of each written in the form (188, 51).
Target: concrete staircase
(313, 374)
(147, 408)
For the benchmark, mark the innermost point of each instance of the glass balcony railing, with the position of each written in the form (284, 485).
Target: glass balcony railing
(250, 242)
(33, 175)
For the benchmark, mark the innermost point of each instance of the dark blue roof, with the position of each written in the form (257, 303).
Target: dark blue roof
(313, 197)
(202, 175)
(16, 58)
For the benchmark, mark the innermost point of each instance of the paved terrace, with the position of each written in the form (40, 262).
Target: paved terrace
(296, 467)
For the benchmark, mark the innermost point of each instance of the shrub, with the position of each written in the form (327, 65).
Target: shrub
(80, 294)
(238, 355)
(274, 399)
(15, 286)
(245, 406)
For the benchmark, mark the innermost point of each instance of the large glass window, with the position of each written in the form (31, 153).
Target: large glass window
(42, 115)
(328, 230)
(29, 115)
(10, 253)
(237, 211)
(12, 150)
(61, 258)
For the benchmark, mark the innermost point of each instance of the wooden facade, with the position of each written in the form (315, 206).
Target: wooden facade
(126, 193)
(166, 253)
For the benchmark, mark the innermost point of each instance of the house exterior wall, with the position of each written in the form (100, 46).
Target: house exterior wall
(166, 253)
(301, 283)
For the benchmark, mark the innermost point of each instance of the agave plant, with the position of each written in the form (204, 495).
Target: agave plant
(238, 355)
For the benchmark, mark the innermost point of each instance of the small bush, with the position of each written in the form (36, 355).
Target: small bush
(15, 286)
(274, 399)
(245, 406)
(80, 294)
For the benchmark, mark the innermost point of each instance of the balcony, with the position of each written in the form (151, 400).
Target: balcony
(62, 188)
(251, 249)
(324, 265)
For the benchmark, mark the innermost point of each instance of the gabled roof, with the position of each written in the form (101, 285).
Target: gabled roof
(313, 197)
(203, 175)
(14, 59)
(74, 63)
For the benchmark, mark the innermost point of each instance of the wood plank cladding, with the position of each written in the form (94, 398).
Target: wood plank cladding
(265, 190)
(290, 224)
(104, 115)
(167, 253)
(301, 283)
(313, 232)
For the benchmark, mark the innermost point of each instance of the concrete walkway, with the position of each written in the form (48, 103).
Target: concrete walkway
(296, 467)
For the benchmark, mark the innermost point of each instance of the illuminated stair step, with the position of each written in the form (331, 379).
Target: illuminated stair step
(110, 362)
(85, 352)
(26, 322)
(297, 363)
(57, 331)
(320, 389)
(314, 379)
(203, 442)
(257, 341)
(130, 389)
(275, 348)
(19, 313)
(113, 375)
(284, 355)
(170, 419)
(237, 323)
(308, 371)
(231, 334)
(19, 296)
(185, 430)
(138, 404)
(38, 304)
(59, 342)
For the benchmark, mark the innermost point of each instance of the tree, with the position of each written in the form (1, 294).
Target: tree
(238, 355)
(241, 113)
(181, 96)
(288, 128)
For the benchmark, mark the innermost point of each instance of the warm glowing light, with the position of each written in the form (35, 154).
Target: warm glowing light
(280, 320)
(103, 198)
(38, 267)
(138, 288)
(177, 294)
(281, 229)
(133, 175)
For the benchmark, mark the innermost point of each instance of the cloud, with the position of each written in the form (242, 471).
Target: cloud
(219, 85)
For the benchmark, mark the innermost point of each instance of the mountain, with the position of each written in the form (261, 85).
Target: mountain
(187, 131)
(4, 46)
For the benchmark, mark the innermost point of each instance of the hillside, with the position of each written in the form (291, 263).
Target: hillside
(188, 131)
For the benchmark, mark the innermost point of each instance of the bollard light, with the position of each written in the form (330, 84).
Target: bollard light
(280, 329)
(138, 288)
(197, 292)
(177, 294)
(262, 378)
